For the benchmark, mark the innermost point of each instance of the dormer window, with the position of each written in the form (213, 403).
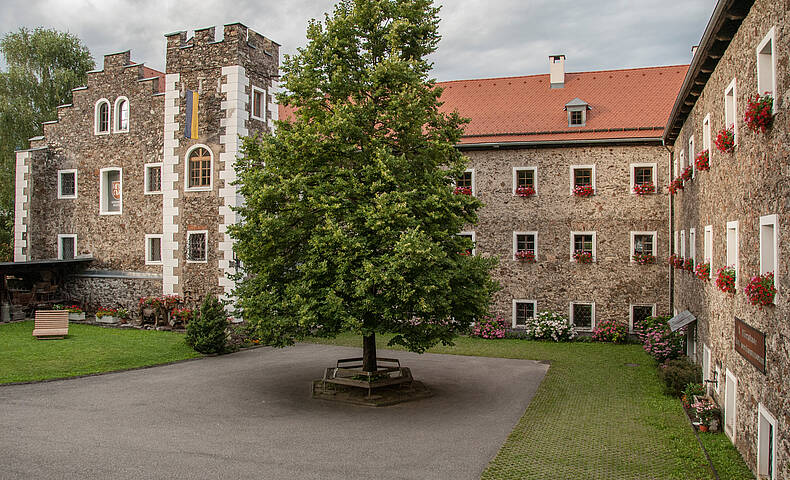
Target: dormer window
(577, 112)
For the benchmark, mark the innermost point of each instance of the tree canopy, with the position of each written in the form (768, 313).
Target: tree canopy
(43, 66)
(350, 216)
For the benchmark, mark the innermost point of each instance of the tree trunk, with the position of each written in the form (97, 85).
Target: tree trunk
(369, 353)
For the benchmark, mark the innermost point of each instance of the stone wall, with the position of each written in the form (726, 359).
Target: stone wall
(112, 289)
(742, 187)
(613, 282)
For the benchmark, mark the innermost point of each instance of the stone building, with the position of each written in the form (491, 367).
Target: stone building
(551, 133)
(115, 178)
(736, 214)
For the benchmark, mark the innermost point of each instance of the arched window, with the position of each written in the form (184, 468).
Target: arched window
(102, 120)
(122, 114)
(199, 161)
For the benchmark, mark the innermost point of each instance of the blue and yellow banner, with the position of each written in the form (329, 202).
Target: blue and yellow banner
(191, 123)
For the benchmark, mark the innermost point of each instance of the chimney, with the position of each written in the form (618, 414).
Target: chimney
(694, 50)
(557, 70)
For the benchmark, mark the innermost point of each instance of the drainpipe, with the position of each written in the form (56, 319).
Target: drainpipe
(671, 234)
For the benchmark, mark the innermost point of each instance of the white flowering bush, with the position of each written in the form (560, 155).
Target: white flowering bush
(550, 326)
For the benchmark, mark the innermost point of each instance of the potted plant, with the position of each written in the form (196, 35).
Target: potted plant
(692, 390)
(582, 257)
(703, 161)
(583, 191)
(761, 290)
(725, 140)
(725, 279)
(107, 315)
(644, 258)
(525, 191)
(75, 313)
(180, 316)
(527, 256)
(644, 188)
(705, 410)
(463, 190)
(702, 271)
(759, 116)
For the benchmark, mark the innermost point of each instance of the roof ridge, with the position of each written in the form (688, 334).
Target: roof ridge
(567, 73)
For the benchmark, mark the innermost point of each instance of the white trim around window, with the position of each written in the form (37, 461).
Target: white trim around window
(653, 233)
(594, 244)
(474, 239)
(707, 247)
(516, 301)
(692, 157)
(96, 130)
(654, 168)
(205, 188)
(262, 105)
(146, 179)
(572, 177)
(205, 245)
(730, 411)
(766, 66)
(706, 137)
(766, 423)
(60, 244)
(60, 183)
(769, 246)
(474, 181)
(732, 250)
(534, 178)
(117, 111)
(592, 316)
(103, 200)
(515, 243)
(693, 245)
(148, 251)
(631, 313)
(731, 108)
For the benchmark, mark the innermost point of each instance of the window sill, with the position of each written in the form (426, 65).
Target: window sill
(101, 133)
(199, 189)
(153, 263)
(260, 119)
(67, 198)
(197, 261)
(153, 193)
(111, 213)
(121, 131)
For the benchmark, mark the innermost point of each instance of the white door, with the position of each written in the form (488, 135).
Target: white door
(730, 393)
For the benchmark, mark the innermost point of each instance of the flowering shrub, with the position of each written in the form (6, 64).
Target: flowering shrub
(150, 302)
(644, 188)
(761, 290)
(168, 302)
(70, 308)
(702, 271)
(676, 261)
(583, 190)
(582, 257)
(705, 410)
(725, 141)
(703, 161)
(686, 174)
(489, 327)
(463, 190)
(644, 258)
(658, 339)
(527, 191)
(677, 373)
(610, 331)
(549, 326)
(181, 315)
(111, 312)
(758, 115)
(688, 264)
(725, 279)
(525, 256)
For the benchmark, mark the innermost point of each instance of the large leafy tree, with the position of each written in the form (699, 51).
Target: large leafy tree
(350, 221)
(42, 67)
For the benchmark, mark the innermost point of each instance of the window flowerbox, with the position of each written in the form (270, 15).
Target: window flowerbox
(644, 188)
(725, 279)
(688, 265)
(463, 190)
(702, 271)
(676, 261)
(527, 191)
(526, 256)
(687, 174)
(725, 140)
(675, 185)
(761, 290)
(644, 258)
(759, 116)
(583, 191)
(111, 315)
(703, 160)
(582, 256)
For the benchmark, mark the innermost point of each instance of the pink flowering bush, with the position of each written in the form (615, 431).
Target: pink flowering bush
(549, 326)
(489, 327)
(761, 290)
(610, 331)
(658, 339)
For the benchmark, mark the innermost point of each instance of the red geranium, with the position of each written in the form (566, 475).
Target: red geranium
(725, 279)
(527, 191)
(644, 258)
(758, 115)
(583, 190)
(463, 190)
(525, 256)
(644, 188)
(703, 160)
(582, 256)
(761, 290)
(702, 271)
(725, 141)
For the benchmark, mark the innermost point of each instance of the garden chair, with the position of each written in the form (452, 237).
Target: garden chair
(50, 324)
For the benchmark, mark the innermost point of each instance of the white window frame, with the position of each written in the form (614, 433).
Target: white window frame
(772, 220)
(631, 313)
(731, 117)
(634, 233)
(692, 157)
(733, 225)
(60, 183)
(474, 239)
(571, 172)
(706, 137)
(592, 313)
(707, 247)
(61, 236)
(96, 117)
(594, 245)
(675, 245)
(145, 178)
(102, 191)
(693, 245)
(634, 166)
(515, 243)
(197, 232)
(208, 187)
(515, 178)
(683, 243)
(733, 425)
(263, 103)
(521, 300)
(705, 366)
(117, 115)
(770, 37)
(764, 417)
(148, 237)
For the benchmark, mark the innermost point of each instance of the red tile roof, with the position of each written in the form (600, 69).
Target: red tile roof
(149, 72)
(632, 103)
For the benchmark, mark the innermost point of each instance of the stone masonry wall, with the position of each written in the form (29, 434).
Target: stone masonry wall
(742, 187)
(613, 282)
(94, 291)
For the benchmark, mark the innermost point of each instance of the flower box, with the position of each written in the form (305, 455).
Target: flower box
(583, 191)
(676, 261)
(527, 191)
(703, 160)
(688, 265)
(644, 188)
(725, 140)
(687, 174)
(725, 279)
(702, 271)
(527, 256)
(675, 185)
(76, 317)
(759, 116)
(582, 257)
(644, 258)
(761, 290)
(111, 315)
(463, 190)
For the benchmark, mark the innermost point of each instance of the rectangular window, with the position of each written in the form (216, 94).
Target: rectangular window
(675, 246)
(197, 246)
(466, 180)
(683, 243)
(705, 365)
(153, 178)
(707, 247)
(692, 156)
(67, 183)
(582, 176)
(576, 117)
(769, 255)
(706, 135)
(524, 177)
(643, 174)
(766, 66)
(731, 109)
(583, 242)
(640, 313)
(153, 249)
(732, 249)
(643, 243)
(730, 404)
(258, 103)
(111, 191)
(525, 242)
(471, 237)
(766, 443)
(67, 246)
(583, 315)
(522, 310)
(693, 245)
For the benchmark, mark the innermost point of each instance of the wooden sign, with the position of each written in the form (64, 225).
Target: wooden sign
(750, 343)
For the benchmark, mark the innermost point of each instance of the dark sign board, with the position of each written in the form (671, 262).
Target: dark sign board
(750, 343)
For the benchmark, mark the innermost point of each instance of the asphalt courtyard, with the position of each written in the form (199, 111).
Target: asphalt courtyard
(250, 415)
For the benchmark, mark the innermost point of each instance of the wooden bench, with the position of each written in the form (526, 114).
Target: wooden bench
(51, 324)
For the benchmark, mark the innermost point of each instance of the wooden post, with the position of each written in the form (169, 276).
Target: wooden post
(369, 353)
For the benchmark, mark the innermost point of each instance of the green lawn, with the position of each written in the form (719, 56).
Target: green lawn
(87, 349)
(593, 416)
(725, 458)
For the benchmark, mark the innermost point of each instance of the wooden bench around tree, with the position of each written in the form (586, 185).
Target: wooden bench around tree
(51, 324)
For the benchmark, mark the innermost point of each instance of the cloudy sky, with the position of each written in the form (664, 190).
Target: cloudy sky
(481, 38)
